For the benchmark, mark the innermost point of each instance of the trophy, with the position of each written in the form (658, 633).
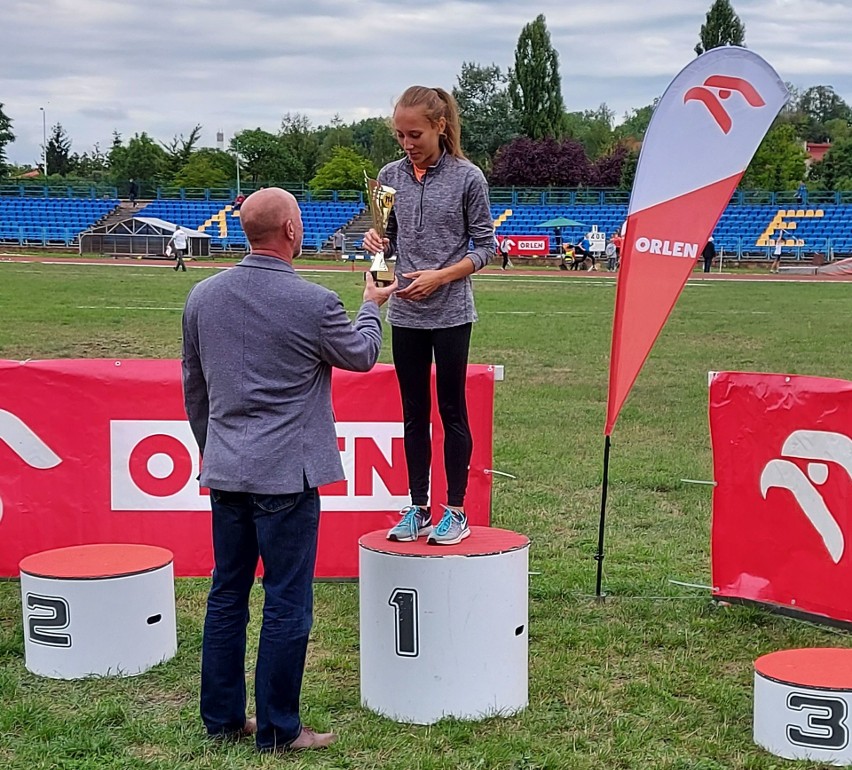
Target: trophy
(380, 200)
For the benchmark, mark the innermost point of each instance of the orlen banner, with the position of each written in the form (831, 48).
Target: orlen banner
(782, 505)
(701, 138)
(527, 245)
(95, 451)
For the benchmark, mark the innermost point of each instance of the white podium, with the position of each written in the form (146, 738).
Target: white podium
(802, 703)
(98, 610)
(444, 628)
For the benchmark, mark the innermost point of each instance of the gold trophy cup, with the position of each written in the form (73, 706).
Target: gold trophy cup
(380, 199)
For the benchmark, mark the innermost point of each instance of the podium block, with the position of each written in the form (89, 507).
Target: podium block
(802, 701)
(98, 610)
(444, 628)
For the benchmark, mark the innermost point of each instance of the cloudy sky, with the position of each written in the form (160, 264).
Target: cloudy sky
(152, 65)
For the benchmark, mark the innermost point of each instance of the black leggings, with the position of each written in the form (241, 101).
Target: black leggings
(412, 358)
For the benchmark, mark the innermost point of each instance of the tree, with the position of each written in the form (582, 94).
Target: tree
(834, 171)
(722, 27)
(606, 170)
(142, 159)
(344, 170)
(6, 137)
(535, 85)
(91, 166)
(59, 151)
(179, 149)
(300, 142)
(779, 163)
(628, 170)
(265, 157)
(592, 128)
(207, 168)
(541, 163)
(332, 136)
(635, 123)
(488, 118)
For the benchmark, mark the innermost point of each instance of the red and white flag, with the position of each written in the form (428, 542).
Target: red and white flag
(782, 506)
(702, 136)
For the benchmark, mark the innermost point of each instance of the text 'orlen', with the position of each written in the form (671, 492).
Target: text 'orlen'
(666, 248)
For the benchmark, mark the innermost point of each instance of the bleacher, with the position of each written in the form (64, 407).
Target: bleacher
(743, 230)
(49, 221)
(218, 219)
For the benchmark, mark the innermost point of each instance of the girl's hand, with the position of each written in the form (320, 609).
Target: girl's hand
(373, 244)
(424, 283)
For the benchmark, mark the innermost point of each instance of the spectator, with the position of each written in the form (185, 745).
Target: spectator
(441, 231)
(133, 192)
(779, 245)
(708, 253)
(503, 250)
(802, 195)
(238, 202)
(339, 241)
(178, 244)
(259, 343)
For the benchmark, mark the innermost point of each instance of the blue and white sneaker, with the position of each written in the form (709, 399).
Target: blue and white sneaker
(451, 529)
(416, 520)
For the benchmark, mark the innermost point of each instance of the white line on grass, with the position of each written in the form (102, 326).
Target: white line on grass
(124, 307)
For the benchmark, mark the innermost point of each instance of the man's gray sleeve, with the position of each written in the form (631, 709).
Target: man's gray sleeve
(194, 385)
(347, 345)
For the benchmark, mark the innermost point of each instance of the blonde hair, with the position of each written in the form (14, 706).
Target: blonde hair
(437, 103)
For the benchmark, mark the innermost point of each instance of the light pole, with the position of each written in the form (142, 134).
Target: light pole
(237, 159)
(44, 140)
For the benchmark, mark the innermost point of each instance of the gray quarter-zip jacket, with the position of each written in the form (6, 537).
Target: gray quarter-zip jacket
(431, 227)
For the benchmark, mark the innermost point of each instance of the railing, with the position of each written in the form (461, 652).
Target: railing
(31, 190)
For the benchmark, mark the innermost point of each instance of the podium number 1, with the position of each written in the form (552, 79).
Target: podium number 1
(406, 622)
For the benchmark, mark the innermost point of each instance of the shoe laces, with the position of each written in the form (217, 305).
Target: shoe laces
(409, 515)
(450, 515)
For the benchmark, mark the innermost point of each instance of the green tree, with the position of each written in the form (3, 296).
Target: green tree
(635, 123)
(373, 138)
(300, 142)
(179, 149)
(834, 171)
(344, 170)
(334, 135)
(6, 137)
(91, 166)
(207, 168)
(488, 118)
(142, 159)
(722, 27)
(59, 151)
(593, 129)
(779, 163)
(266, 159)
(535, 85)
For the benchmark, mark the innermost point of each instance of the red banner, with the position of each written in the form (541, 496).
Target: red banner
(782, 506)
(95, 451)
(526, 245)
(702, 136)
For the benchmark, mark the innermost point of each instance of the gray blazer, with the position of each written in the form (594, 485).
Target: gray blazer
(258, 346)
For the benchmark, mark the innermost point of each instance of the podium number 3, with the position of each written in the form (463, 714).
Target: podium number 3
(826, 726)
(406, 622)
(52, 616)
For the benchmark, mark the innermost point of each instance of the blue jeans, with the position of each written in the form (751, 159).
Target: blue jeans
(282, 530)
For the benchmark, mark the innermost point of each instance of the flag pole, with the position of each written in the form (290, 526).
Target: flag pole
(599, 556)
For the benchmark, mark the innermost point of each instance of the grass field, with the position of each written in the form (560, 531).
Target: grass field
(656, 677)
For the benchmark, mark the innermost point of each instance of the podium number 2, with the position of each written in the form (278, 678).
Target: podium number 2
(52, 616)
(826, 725)
(406, 622)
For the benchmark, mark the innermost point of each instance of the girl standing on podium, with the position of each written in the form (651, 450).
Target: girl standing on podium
(440, 231)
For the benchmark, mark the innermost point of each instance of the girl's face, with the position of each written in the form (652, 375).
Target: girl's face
(419, 139)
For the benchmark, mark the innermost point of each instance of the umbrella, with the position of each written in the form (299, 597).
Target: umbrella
(561, 222)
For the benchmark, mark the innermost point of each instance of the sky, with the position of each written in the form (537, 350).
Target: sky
(97, 66)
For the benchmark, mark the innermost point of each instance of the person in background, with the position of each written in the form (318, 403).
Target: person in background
(178, 244)
(503, 249)
(776, 254)
(259, 344)
(133, 192)
(709, 254)
(440, 231)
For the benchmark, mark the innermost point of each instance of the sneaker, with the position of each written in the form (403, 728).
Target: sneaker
(451, 529)
(415, 521)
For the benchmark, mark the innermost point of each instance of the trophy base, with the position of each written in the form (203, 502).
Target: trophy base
(381, 277)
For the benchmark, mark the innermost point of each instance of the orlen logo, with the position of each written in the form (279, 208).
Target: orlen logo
(23, 441)
(154, 465)
(666, 248)
(819, 447)
(717, 88)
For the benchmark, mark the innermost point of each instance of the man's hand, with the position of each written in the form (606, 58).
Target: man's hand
(424, 283)
(373, 244)
(377, 294)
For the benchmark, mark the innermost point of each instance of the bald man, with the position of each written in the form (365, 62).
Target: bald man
(259, 343)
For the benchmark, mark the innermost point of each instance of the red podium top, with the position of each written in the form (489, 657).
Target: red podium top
(90, 562)
(827, 668)
(483, 541)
